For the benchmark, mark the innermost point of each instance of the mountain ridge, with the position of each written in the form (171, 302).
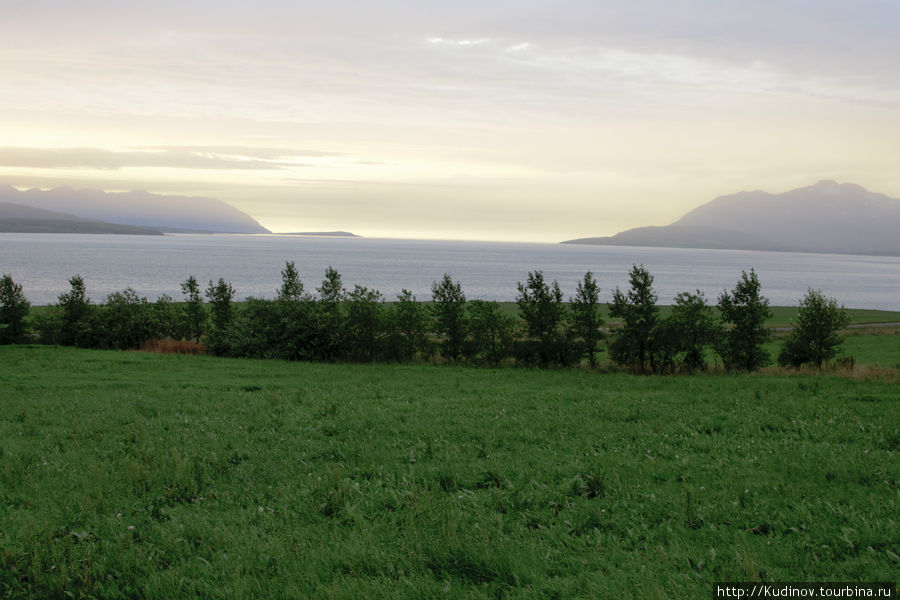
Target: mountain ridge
(19, 218)
(827, 217)
(138, 208)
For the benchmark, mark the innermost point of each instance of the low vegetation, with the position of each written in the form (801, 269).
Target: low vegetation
(543, 329)
(132, 475)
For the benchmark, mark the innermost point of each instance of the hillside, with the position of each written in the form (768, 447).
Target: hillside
(827, 217)
(18, 218)
(139, 208)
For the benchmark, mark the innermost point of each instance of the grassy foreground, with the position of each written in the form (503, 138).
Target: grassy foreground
(136, 475)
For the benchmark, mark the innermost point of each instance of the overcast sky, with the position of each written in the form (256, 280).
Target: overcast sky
(525, 120)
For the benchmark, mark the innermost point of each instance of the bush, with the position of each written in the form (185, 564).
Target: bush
(541, 308)
(365, 325)
(193, 314)
(408, 325)
(220, 295)
(815, 337)
(744, 313)
(632, 344)
(586, 319)
(449, 310)
(491, 338)
(79, 323)
(13, 310)
(693, 328)
(126, 320)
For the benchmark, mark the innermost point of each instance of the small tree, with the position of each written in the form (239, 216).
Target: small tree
(744, 313)
(491, 332)
(13, 310)
(693, 327)
(586, 319)
(77, 328)
(631, 345)
(815, 337)
(164, 317)
(449, 310)
(330, 323)
(193, 315)
(541, 307)
(291, 289)
(409, 324)
(127, 322)
(220, 295)
(365, 324)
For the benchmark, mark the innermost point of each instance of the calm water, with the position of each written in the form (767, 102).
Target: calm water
(43, 263)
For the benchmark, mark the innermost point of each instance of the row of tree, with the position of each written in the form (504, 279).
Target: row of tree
(335, 324)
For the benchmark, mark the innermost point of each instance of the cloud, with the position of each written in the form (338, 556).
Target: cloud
(188, 157)
(255, 152)
(462, 42)
(519, 47)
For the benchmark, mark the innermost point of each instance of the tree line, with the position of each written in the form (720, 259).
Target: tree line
(336, 324)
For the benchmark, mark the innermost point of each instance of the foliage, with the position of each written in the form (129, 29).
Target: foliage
(193, 312)
(632, 343)
(586, 319)
(450, 319)
(541, 308)
(258, 330)
(815, 338)
(694, 328)
(491, 333)
(329, 316)
(409, 325)
(165, 318)
(365, 324)
(13, 310)
(291, 289)
(78, 325)
(744, 312)
(219, 295)
(126, 320)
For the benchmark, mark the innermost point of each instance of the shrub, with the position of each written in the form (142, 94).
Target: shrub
(491, 336)
(744, 313)
(408, 323)
(631, 345)
(693, 328)
(815, 337)
(449, 310)
(13, 310)
(541, 308)
(586, 319)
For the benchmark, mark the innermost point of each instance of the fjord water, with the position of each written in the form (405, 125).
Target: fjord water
(43, 263)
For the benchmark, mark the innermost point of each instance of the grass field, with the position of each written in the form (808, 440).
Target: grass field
(137, 475)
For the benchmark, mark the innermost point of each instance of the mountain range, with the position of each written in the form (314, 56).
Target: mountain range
(152, 213)
(827, 217)
(18, 218)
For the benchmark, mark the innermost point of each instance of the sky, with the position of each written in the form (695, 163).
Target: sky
(522, 121)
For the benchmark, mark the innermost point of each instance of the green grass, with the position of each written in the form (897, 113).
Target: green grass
(134, 475)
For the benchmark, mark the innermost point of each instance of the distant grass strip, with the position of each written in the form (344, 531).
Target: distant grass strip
(159, 476)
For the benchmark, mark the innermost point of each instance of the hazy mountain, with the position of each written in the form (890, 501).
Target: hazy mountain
(826, 217)
(18, 218)
(139, 208)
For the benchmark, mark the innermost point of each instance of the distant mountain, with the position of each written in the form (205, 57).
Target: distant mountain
(139, 208)
(827, 217)
(18, 218)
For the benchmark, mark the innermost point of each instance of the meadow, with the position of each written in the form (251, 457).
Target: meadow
(125, 474)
